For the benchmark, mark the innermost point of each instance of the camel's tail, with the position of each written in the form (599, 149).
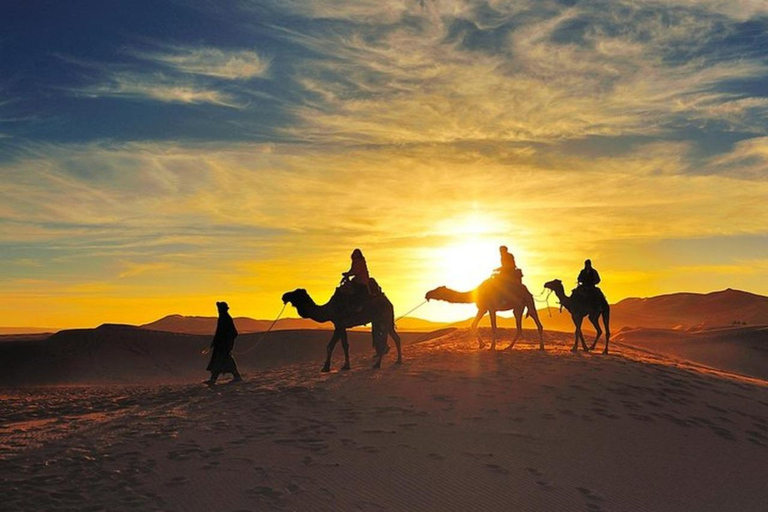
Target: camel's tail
(446, 294)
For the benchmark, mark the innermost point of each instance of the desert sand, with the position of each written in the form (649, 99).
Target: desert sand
(453, 428)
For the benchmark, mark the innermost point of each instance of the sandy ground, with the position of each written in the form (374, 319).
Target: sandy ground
(453, 428)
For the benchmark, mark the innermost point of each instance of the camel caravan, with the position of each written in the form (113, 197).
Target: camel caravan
(359, 300)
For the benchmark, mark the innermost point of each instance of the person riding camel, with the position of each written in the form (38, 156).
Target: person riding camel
(588, 280)
(588, 276)
(355, 280)
(511, 276)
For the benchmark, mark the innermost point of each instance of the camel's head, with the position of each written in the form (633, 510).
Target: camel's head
(554, 285)
(436, 293)
(297, 296)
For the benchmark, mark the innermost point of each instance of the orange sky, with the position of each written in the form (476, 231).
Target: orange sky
(150, 173)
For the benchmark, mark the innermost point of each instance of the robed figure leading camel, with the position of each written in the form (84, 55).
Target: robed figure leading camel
(592, 305)
(492, 296)
(377, 311)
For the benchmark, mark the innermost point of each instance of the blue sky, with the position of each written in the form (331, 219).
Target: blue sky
(165, 154)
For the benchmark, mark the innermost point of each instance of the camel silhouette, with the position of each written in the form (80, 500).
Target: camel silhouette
(579, 307)
(378, 312)
(491, 297)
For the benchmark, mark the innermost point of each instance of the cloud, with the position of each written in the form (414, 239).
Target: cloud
(214, 62)
(748, 159)
(624, 71)
(157, 88)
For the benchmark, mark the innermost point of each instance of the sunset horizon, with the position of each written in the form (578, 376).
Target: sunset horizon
(384, 255)
(156, 162)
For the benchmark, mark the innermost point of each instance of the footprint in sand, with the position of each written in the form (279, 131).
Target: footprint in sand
(265, 492)
(593, 499)
(497, 469)
(539, 478)
(177, 481)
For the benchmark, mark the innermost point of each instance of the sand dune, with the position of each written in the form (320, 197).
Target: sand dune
(453, 428)
(123, 354)
(741, 350)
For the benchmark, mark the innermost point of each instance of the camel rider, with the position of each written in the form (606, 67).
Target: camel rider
(355, 280)
(508, 270)
(511, 276)
(507, 260)
(588, 277)
(588, 280)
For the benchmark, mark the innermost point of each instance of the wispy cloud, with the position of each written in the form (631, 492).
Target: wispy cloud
(420, 82)
(215, 62)
(157, 87)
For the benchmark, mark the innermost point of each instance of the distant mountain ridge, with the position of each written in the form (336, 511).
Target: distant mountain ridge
(693, 310)
(682, 311)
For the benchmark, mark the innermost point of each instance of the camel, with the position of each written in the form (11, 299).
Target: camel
(490, 297)
(378, 312)
(579, 307)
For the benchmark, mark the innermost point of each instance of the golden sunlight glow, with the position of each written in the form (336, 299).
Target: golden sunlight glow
(470, 259)
(465, 265)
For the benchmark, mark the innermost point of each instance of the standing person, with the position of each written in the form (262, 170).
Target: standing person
(222, 345)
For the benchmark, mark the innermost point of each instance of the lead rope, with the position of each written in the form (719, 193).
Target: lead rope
(411, 311)
(263, 334)
(546, 300)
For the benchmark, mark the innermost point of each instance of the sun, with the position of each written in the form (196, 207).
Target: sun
(466, 264)
(472, 251)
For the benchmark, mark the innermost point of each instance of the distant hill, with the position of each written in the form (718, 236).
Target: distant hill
(207, 324)
(26, 330)
(693, 310)
(686, 311)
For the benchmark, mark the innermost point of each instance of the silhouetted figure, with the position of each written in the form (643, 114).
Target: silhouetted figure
(592, 305)
(588, 280)
(377, 311)
(511, 277)
(588, 275)
(507, 260)
(355, 281)
(222, 345)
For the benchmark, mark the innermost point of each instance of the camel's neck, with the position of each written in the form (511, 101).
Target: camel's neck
(563, 298)
(455, 297)
(314, 312)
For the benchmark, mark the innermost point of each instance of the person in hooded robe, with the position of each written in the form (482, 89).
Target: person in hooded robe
(221, 347)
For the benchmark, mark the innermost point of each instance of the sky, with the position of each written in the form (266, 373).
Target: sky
(159, 156)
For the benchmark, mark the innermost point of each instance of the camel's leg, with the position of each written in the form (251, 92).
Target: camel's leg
(380, 342)
(478, 317)
(518, 327)
(345, 346)
(492, 315)
(606, 316)
(577, 333)
(329, 349)
(581, 336)
(535, 315)
(396, 337)
(593, 318)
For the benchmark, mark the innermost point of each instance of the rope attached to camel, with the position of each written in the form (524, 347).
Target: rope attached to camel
(263, 336)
